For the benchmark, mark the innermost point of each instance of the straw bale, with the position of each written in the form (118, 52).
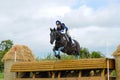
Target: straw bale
(117, 65)
(116, 54)
(22, 53)
(117, 51)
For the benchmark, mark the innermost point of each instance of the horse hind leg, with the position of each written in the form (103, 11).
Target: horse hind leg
(77, 56)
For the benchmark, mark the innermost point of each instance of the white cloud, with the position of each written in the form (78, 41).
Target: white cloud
(100, 39)
(88, 16)
(50, 12)
(96, 37)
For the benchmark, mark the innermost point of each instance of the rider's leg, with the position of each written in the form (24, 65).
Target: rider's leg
(66, 36)
(70, 39)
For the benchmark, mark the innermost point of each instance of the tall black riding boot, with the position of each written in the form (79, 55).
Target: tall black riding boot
(70, 40)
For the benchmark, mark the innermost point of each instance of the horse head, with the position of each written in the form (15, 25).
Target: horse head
(52, 35)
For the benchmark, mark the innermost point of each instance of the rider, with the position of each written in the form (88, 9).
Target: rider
(63, 30)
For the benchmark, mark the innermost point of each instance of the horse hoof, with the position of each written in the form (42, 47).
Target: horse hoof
(56, 56)
(59, 57)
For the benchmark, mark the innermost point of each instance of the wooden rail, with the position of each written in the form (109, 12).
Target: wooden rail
(83, 78)
(62, 65)
(80, 67)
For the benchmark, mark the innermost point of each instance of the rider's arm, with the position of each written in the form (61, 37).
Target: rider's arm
(63, 31)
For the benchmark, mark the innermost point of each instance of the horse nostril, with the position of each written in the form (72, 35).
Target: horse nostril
(51, 42)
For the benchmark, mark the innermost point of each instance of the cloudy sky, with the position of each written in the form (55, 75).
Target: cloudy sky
(94, 23)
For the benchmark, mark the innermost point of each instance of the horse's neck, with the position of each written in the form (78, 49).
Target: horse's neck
(61, 40)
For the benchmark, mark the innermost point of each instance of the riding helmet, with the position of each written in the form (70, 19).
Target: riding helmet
(58, 22)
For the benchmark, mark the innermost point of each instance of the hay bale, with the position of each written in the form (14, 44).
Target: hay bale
(22, 53)
(117, 66)
(117, 51)
(116, 54)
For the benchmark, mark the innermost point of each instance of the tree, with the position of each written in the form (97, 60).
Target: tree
(5, 45)
(96, 54)
(84, 53)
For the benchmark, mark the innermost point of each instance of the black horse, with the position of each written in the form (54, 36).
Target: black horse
(63, 45)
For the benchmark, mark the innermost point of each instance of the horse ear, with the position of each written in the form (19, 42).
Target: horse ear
(51, 29)
(54, 29)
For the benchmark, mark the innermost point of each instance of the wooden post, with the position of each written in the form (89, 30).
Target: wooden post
(33, 75)
(53, 75)
(16, 75)
(15, 54)
(80, 74)
(103, 74)
(108, 71)
(59, 75)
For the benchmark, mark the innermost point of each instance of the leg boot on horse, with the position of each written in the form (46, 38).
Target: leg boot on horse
(57, 55)
(59, 49)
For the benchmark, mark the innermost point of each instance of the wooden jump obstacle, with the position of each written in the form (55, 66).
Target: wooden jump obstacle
(83, 69)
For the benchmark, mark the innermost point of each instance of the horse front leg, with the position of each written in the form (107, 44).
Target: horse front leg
(59, 49)
(54, 50)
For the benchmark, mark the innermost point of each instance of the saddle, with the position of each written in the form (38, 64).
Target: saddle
(70, 40)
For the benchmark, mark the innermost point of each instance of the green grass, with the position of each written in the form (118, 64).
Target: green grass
(1, 76)
(113, 73)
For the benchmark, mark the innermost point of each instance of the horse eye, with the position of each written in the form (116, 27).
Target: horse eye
(51, 34)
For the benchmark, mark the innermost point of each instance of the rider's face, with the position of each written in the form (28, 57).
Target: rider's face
(59, 26)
